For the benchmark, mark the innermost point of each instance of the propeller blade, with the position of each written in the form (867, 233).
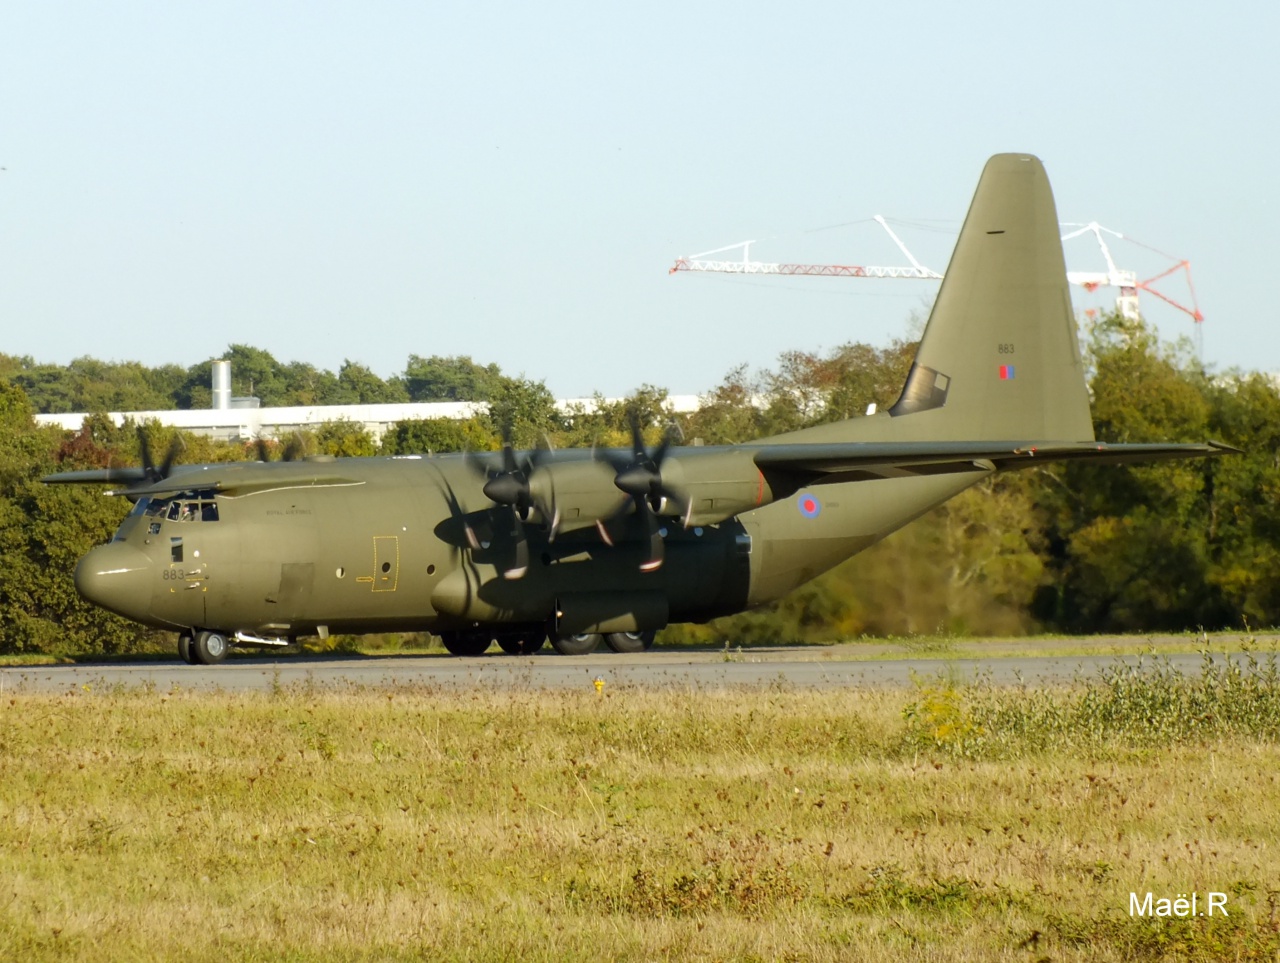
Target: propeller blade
(550, 513)
(672, 434)
(171, 455)
(553, 521)
(477, 463)
(656, 547)
(521, 548)
(149, 469)
(603, 529)
(148, 466)
(637, 435)
(131, 475)
(295, 449)
(458, 518)
(509, 465)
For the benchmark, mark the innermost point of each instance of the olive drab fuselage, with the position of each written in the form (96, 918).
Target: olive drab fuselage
(388, 551)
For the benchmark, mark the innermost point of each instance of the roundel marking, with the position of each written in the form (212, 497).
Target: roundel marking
(809, 506)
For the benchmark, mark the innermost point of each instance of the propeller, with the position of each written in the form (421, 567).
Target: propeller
(292, 450)
(509, 485)
(137, 477)
(150, 473)
(640, 476)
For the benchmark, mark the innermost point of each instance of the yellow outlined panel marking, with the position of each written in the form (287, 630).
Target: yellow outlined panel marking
(386, 551)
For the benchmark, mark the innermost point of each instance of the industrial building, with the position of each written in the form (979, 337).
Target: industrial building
(241, 419)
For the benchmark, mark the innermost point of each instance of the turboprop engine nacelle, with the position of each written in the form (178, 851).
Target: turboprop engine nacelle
(706, 490)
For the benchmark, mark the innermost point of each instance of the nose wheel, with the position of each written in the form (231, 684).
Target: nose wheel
(203, 648)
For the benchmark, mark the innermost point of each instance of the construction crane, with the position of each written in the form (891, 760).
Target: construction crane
(695, 262)
(1128, 282)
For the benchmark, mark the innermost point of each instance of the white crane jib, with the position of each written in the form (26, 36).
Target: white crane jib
(1126, 282)
(698, 262)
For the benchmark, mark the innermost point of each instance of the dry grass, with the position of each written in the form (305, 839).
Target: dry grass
(726, 824)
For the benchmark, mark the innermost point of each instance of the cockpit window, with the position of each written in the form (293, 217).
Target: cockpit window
(198, 506)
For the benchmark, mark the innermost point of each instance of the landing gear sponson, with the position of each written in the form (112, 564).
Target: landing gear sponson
(204, 647)
(527, 640)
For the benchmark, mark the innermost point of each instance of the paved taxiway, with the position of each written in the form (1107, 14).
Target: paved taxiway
(679, 668)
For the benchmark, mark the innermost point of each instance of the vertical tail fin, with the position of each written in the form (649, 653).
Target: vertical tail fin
(1000, 358)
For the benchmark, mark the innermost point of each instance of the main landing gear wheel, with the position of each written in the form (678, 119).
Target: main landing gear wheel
(521, 643)
(469, 642)
(582, 644)
(630, 641)
(209, 648)
(184, 649)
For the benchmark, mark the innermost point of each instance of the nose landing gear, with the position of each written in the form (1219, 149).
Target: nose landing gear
(203, 648)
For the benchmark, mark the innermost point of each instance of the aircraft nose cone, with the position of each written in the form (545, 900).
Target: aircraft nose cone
(117, 577)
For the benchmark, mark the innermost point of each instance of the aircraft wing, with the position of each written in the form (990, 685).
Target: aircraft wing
(98, 476)
(229, 478)
(854, 460)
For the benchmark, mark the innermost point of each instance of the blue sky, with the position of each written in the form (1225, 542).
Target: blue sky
(512, 181)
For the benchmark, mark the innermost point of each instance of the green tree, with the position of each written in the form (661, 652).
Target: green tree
(357, 385)
(345, 439)
(450, 379)
(728, 414)
(608, 424)
(256, 373)
(44, 530)
(527, 407)
(421, 436)
(1129, 544)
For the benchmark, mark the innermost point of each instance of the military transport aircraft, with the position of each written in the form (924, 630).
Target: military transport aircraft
(586, 545)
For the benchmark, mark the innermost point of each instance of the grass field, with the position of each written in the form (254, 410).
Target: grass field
(946, 823)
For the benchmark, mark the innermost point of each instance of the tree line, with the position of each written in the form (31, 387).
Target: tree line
(1070, 548)
(87, 384)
